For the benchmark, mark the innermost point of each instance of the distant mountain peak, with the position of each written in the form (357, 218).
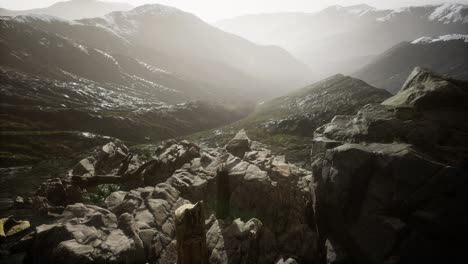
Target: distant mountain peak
(445, 13)
(357, 10)
(155, 10)
(449, 13)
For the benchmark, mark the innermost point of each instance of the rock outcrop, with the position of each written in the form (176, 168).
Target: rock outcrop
(254, 209)
(389, 182)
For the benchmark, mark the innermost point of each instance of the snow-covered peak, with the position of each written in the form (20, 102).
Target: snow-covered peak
(127, 23)
(428, 40)
(154, 10)
(450, 13)
(446, 13)
(357, 10)
(43, 18)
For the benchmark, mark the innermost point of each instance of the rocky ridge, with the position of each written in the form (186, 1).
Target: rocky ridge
(266, 199)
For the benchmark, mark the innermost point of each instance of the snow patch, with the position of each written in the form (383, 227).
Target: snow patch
(81, 47)
(43, 18)
(428, 40)
(154, 10)
(108, 56)
(152, 68)
(450, 13)
(446, 13)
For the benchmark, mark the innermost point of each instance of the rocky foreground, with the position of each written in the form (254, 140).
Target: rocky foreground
(387, 186)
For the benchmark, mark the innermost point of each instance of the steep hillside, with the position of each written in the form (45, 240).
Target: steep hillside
(51, 84)
(29, 49)
(159, 35)
(445, 54)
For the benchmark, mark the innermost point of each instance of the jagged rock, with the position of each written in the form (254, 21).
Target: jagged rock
(222, 193)
(366, 204)
(240, 242)
(110, 156)
(84, 167)
(239, 144)
(277, 196)
(395, 194)
(259, 186)
(429, 113)
(426, 90)
(191, 238)
(142, 229)
(172, 158)
(287, 261)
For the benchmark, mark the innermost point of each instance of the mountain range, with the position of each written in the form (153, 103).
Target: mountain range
(73, 9)
(122, 76)
(352, 35)
(446, 54)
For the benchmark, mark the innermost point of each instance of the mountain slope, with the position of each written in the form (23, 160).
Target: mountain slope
(73, 9)
(39, 52)
(348, 34)
(51, 85)
(169, 30)
(446, 55)
(159, 35)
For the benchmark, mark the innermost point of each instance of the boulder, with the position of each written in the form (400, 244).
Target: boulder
(239, 144)
(240, 242)
(109, 157)
(426, 90)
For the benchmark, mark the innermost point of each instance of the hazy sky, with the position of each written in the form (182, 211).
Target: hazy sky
(212, 10)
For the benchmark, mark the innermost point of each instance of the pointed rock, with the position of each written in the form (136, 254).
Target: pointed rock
(190, 234)
(239, 144)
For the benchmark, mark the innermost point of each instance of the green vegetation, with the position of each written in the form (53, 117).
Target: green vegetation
(99, 194)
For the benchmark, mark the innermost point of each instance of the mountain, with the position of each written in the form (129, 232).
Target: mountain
(159, 35)
(73, 9)
(287, 123)
(31, 50)
(351, 35)
(446, 54)
(169, 30)
(51, 85)
(125, 76)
